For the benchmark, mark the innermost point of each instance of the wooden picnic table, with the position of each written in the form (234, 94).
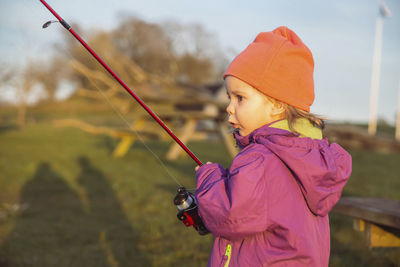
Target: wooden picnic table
(378, 218)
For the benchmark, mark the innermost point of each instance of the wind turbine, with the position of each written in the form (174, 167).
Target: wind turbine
(397, 134)
(384, 12)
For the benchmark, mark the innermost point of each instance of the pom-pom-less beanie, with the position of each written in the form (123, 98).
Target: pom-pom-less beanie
(279, 65)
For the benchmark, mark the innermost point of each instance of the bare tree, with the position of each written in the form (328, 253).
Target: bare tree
(23, 88)
(144, 43)
(184, 52)
(49, 74)
(197, 51)
(152, 58)
(22, 80)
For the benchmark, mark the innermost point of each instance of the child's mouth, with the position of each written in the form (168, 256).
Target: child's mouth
(234, 125)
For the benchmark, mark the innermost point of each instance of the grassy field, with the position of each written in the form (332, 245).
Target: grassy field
(64, 201)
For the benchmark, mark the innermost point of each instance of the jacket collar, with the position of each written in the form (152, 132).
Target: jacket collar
(280, 127)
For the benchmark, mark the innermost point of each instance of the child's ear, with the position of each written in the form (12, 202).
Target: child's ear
(278, 108)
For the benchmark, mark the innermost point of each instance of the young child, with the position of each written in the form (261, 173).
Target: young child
(270, 208)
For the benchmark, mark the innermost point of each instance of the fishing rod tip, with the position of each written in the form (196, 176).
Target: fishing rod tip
(47, 24)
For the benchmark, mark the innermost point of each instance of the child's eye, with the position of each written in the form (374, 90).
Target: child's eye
(240, 98)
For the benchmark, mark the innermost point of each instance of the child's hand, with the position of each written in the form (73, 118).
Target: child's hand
(197, 167)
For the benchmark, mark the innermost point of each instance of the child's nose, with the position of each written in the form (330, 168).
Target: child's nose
(229, 108)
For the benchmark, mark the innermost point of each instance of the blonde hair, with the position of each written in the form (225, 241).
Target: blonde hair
(292, 114)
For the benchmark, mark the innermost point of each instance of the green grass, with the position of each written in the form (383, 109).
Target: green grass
(78, 206)
(74, 191)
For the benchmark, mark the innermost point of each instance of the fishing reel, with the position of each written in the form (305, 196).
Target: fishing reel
(188, 211)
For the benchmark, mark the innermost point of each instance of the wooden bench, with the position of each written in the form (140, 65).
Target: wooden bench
(378, 218)
(185, 106)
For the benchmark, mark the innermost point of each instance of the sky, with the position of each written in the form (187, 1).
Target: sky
(339, 33)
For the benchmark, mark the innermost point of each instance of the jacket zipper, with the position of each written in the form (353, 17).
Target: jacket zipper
(227, 256)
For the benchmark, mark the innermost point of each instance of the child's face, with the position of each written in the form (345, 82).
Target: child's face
(249, 109)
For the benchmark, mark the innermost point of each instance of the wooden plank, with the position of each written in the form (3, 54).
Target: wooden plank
(380, 236)
(358, 225)
(123, 146)
(188, 131)
(229, 141)
(184, 99)
(127, 140)
(376, 210)
(200, 115)
(85, 127)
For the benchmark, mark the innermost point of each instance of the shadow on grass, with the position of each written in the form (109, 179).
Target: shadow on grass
(8, 127)
(107, 142)
(56, 229)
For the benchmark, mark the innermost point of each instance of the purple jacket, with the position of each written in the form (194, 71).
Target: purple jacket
(270, 208)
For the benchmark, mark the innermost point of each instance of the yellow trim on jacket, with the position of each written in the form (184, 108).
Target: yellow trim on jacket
(302, 126)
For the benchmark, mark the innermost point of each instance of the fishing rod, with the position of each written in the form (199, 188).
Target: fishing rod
(185, 201)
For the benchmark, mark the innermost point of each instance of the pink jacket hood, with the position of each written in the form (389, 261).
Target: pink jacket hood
(320, 169)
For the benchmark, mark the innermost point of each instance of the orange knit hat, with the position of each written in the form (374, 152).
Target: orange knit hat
(279, 65)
